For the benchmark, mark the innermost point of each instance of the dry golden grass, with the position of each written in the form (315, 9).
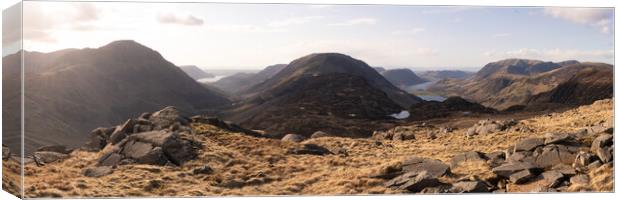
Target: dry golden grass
(267, 170)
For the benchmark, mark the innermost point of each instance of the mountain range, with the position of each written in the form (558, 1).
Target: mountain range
(521, 82)
(70, 92)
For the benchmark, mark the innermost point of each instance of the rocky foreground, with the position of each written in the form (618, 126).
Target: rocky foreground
(165, 154)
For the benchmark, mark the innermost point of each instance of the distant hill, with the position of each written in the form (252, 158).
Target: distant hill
(70, 92)
(445, 74)
(402, 78)
(241, 82)
(195, 72)
(379, 69)
(513, 82)
(329, 92)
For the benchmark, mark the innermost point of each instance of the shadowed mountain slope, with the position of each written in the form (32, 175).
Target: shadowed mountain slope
(70, 92)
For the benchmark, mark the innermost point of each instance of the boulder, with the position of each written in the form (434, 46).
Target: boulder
(488, 126)
(98, 171)
(471, 156)
(522, 176)
(122, 131)
(293, 138)
(178, 150)
(495, 159)
(311, 149)
(583, 159)
(603, 140)
(469, 187)
(166, 117)
(555, 154)
(605, 154)
(98, 139)
(510, 168)
(110, 159)
(319, 134)
(434, 168)
(44, 157)
(529, 144)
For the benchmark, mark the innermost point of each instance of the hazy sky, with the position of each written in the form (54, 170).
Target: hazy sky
(257, 35)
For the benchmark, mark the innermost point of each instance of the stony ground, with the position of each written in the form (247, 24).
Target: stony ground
(245, 165)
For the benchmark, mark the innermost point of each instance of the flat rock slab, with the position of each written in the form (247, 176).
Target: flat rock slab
(556, 138)
(552, 178)
(522, 176)
(434, 168)
(413, 182)
(471, 156)
(469, 187)
(44, 157)
(508, 169)
(529, 144)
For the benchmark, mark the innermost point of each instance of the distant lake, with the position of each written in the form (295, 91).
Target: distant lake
(211, 80)
(432, 98)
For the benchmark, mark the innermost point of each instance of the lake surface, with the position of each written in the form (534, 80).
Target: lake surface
(432, 98)
(211, 80)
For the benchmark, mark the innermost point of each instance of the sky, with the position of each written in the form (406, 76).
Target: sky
(252, 36)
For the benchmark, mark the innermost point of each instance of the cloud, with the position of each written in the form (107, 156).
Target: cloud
(322, 6)
(294, 21)
(501, 35)
(600, 18)
(187, 20)
(86, 12)
(358, 21)
(554, 54)
(409, 31)
(245, 28)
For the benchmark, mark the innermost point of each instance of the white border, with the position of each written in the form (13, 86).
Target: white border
(562, 3)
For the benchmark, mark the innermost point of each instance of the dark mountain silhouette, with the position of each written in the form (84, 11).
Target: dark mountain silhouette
(513, 82)
(195, 72)
(330, 63)
(70, 92)
(402, 78)
(328, 92)
(240, 82)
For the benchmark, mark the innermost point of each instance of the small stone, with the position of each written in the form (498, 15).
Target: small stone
(580, 179)
(293, 138)
(152, 185)
(203, 170)
(319, 134)
(98, 171)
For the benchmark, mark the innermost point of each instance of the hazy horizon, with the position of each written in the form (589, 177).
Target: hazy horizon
(252, 36)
